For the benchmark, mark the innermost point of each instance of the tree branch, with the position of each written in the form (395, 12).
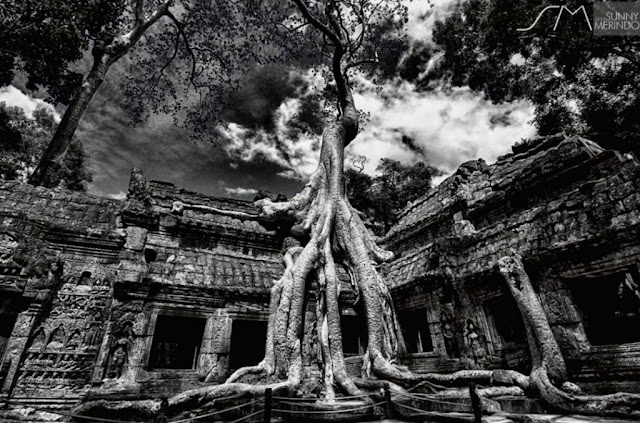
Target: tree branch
(123, 43)
(181, 33)
(153, 81)
(139, 11)
(362, 62)
(331, 18)
(315, 22)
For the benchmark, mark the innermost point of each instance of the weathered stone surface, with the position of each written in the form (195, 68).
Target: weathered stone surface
(569, 208)
(136, 238)
(89, 277)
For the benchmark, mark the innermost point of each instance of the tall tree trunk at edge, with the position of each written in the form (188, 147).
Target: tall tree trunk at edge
(51, 162)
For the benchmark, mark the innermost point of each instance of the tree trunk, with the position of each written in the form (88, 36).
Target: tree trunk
(544, 348)
(103, 58)
(47, 170)
(549, 370)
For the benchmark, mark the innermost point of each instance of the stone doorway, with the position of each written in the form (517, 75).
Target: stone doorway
(609, 306)
(248, 339)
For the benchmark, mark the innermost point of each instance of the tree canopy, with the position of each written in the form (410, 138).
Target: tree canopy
(23, 140)
(42, 39)
(382, 198)
(577, 81)
(191, 54)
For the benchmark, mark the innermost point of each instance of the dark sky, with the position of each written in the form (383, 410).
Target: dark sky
(260, 147)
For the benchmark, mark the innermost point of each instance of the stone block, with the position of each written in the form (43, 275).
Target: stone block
(136, 238)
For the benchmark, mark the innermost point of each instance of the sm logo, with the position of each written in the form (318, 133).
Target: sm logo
(561, 10)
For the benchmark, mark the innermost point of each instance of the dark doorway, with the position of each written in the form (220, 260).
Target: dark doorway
(10, 306)
(610, 307)
(176, 342)
(415, 330)
(247, 342)
(354, 334)
(505, 316)
(7, 321)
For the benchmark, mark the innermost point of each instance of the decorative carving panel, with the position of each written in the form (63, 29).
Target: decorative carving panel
(62, 351)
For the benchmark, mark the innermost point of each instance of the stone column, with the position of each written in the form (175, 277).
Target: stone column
(563, 316)
(221, 342)
(207, 359)
(17, 345)
(102, 357)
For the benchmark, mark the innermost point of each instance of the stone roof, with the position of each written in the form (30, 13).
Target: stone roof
(62, 210)
(196, 245)
(550, 194)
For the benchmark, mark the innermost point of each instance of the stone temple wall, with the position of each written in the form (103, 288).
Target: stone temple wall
(85, 280)
(59, 254)
(90, 286)
(571, 210)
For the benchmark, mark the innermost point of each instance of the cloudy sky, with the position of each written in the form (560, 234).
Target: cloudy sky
(260, 148)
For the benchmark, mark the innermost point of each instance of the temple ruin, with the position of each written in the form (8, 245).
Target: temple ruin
(92, 288)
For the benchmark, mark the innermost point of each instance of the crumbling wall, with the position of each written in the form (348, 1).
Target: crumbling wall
(568, 207)
(61, 251)
(84, 280)
(182, 261)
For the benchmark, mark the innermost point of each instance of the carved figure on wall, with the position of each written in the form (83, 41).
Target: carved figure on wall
(451, 340)
(56, 339)
(7, 246)
(474, 343)
(73, 343)
(38, 340)
(92, 335)
(119, 354)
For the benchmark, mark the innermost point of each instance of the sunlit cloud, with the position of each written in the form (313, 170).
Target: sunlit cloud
(295, 151)
(442, 127)
(240, 191)
(424, 14)
(446, 127)
(12, 96)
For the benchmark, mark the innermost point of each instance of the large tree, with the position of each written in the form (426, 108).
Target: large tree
(114, 42)
(40, 40)
(329, 233)
(182, 49)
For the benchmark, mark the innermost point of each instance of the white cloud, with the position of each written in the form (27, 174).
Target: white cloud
(14, 97)
(240, 191)
(424, 14)
(298, 155)
(121, 195)
(448, 127)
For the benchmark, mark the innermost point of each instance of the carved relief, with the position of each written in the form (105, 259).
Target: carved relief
(61, 353)
(8, 245)
(451, 341)
(119, 351)
(475, 343)
(10, 272)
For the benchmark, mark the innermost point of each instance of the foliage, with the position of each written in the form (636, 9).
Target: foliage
(23, 140)
(190, 68)
(42, 40)
(383, 197)
(577, 82)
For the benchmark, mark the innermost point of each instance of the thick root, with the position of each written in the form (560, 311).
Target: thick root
(141, 409)
(195, 398)
(620, 404)
(240, 373)
(549, 368)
